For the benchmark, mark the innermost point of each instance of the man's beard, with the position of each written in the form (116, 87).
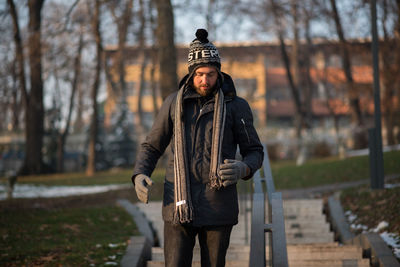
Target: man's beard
(203, 92)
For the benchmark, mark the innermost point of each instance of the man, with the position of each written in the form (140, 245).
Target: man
(205, 122)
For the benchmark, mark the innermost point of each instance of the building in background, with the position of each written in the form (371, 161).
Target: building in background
(260, 77)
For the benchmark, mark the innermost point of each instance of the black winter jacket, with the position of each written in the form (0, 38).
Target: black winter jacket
(211, 207)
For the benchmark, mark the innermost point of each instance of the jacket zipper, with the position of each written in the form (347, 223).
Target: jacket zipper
(197, 120)
(245, 130)
(195, 128)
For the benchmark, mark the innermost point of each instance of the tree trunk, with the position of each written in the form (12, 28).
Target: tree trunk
(75, 82)
(142, 77)
(91, 163)
(78, 124)
(390, 71)
(19, 52)
(166, 48)
(15, 98)
(285, 58)
(360, 138)
(34, 110)
(153, 82)
(309, 84)
(300, 121)
(123, 25)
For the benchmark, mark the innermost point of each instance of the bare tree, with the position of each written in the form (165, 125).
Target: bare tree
(93, 134)
(140, 126)
(122, 22)
(390, 67)
(17, 69)
(360, 134)
(33, 101)
(75, 83)
(277, 14)
(153, 82)
(166, 48)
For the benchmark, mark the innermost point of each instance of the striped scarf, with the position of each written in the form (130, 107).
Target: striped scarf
(183, 203)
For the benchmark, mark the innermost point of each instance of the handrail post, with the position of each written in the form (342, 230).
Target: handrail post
(257, 246)
(278, 245)
(275, 221)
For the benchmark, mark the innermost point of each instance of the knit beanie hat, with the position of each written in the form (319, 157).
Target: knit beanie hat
(202, 52)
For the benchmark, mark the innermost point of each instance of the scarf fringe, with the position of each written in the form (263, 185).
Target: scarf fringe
(183, 214)
(215, 182)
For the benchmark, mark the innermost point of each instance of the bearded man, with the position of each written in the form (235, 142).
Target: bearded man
(203, 123)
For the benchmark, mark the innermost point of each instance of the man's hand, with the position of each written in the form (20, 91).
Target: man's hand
(142, 182)
(233, 170)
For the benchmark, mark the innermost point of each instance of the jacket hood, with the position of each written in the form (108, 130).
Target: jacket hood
(228, 87)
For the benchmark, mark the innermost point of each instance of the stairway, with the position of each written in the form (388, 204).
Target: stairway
(308, 236)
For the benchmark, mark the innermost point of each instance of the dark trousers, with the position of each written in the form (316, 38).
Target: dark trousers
(179, 241)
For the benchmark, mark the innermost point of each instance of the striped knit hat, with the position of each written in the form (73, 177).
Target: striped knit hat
(202, 52)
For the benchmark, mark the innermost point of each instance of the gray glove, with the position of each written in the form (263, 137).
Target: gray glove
(142, 182)
(232, 170)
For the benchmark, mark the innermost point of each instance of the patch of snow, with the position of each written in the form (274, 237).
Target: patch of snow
(112, 257)
(365, 151)
(34, 191)
(382, 225)
(350, 216)
(111, 245)
(111, 263)
(392, 240)
(390, 186)
(359, 226)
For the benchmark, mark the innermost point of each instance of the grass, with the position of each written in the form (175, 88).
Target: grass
(286, 174)
(329, 171)
(115, 176)
(64, 237)
(374, 206)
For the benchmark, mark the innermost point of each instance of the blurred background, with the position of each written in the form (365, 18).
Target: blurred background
(81, 81)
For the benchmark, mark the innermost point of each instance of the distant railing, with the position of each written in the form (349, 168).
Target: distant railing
(275, 226)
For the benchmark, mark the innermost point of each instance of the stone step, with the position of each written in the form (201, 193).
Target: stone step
(197, 264)
(295, 253)
(304, 222)
(322, 229)
(309, 224)
(329, 263)
(309, 216)
(291, 241)
(300, 263)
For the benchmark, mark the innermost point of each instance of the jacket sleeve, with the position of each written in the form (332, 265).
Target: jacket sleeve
(156, 141)
(247, 138)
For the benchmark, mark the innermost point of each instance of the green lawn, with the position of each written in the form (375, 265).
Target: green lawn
(117, 176)
(329, 171)
(64, 237)
(286, 174)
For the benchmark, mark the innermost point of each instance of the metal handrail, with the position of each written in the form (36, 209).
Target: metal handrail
(275, 226)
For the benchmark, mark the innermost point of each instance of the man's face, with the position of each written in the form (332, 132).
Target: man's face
(204, 80)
